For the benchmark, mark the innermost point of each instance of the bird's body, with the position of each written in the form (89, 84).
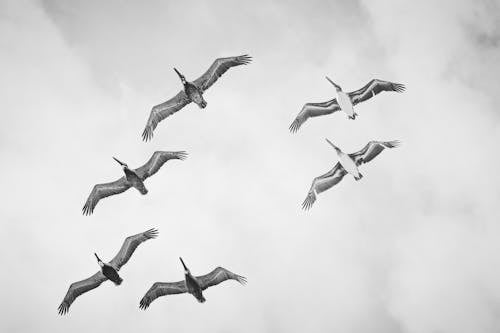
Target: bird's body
(346, 104)
(191, 285)
(343, 101)
(195, 95)
(347, 162)
(108, 271)
(112, 275)
(191, 92)
(194, 288)
(133, 178)
(345, 166)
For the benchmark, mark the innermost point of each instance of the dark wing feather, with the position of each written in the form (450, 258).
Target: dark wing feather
(372, 88)
(101, 191)
(371, 150)
(323, 183)
(310, 110)
(217, 276)
(219, 67)
(156, 162)
(129, 245)
(162, 111)
(78, 288)
(161, 289)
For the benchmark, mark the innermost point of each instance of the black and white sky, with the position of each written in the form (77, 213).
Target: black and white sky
(413, 247)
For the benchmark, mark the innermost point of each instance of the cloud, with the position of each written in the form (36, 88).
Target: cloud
(410, 248)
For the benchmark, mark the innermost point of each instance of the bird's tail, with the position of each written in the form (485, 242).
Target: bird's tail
(202, 104)
(359, 176)
(141, 188)
(118, 281)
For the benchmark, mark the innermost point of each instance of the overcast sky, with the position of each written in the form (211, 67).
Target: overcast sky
(412, 247)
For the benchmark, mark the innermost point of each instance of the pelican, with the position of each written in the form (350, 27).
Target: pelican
(347, 164)
(191, 284)
(192, 92)
(133, 178)
(343, 101)
(109, 271)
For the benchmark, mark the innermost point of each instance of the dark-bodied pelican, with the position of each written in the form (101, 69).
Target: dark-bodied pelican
(191, 284)
(348, 163)
(343, 101)
(192, 92)
(133, 178)
(109, 271)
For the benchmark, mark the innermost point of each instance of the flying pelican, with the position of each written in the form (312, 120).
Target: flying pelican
(192, 285)
(344, 102)
(109, 271)
(347, 164)
(133, 178)
(192, 92)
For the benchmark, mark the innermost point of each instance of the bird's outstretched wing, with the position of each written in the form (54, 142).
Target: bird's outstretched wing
(102, 191)
(78, 288)
(162, 111)
(323, 183)
(129, 246)
(156, 162)
(371, 150)
(310, 110)
(217, 276)
(372, 88)
(161, 289)
(219, 67)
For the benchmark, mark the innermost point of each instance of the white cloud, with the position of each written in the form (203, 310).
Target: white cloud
(411, 248)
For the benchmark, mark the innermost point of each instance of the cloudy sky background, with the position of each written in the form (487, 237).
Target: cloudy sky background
(413, 247)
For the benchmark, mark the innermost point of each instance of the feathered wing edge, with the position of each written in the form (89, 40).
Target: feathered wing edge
(101, 191)
(371, 150)
(78, 288)
(130, 245)
(218, 275)
(323, 183)
(156, 161)
(218, 68)
(310, 110)
(159, 289)
(373, 88)
(162, 111)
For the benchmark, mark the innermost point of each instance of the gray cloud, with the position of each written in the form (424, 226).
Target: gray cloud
(411, 248)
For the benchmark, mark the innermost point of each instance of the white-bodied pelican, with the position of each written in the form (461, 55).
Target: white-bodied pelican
(343, 101)
(348, 163)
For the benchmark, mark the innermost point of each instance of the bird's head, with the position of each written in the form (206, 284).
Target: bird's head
(124, 165)
(186, 270)
(337, 149)
(334, 84)
(99, 261)
(183, 79)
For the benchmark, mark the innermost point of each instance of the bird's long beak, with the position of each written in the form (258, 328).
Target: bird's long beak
(334, 84)
(331, 144)
(183, 264)
(97, 257)
(180, 75)
(121, 163)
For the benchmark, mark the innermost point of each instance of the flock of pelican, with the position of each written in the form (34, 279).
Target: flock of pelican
(193, 92)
